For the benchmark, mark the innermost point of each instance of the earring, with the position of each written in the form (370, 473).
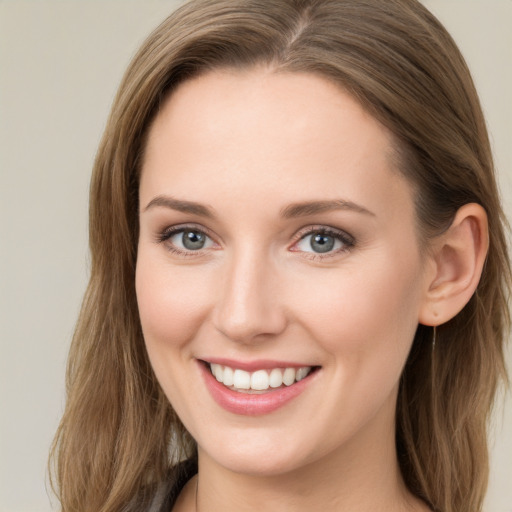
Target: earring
(433, 367)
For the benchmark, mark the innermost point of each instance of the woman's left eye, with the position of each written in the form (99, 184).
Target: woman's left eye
(324, 242)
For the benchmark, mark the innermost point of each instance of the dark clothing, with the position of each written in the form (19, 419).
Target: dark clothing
(168, 493)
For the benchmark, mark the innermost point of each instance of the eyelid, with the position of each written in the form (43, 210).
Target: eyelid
(176, 228)
(347, 239)
(165, 234)
(322, 228)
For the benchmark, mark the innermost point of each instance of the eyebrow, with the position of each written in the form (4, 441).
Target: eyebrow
(314, 207)
(291, 211)
(181, 206)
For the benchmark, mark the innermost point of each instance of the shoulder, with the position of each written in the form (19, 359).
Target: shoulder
(168, 492)
(163, 498)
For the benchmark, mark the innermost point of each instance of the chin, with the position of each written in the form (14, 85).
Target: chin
(259, 457)
(260, 466)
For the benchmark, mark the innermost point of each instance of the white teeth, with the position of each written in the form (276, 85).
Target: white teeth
(242, 379)
(228, 376)
(259, 380)
(301, 373)
(218, 372)
(289, 376)
(276, 378)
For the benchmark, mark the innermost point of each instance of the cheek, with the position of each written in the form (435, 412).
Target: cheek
(171, 312)
(364, 319)
(172, 303)
(364, 309)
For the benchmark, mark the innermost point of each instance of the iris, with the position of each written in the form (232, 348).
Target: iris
(322, 243)
(193, 240)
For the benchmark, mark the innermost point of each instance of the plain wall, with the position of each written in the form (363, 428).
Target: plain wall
(60, 64)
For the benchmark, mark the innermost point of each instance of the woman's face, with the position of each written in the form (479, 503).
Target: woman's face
(278, 250)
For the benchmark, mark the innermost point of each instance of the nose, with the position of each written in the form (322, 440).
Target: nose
(250, 308)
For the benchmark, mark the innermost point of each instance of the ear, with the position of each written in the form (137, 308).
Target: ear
(455, 265)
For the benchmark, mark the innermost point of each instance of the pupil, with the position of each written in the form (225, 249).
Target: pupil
(322, 243)
(193, 240)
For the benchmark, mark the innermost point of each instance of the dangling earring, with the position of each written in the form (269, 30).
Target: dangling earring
(433, 369)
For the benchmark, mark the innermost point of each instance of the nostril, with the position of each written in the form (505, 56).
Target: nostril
(248, 308)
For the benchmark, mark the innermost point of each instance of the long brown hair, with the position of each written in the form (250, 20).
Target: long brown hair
(119, 436)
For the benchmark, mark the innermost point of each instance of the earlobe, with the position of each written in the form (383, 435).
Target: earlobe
(458, 257)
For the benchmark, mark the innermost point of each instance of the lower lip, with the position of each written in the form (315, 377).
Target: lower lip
(251, 404)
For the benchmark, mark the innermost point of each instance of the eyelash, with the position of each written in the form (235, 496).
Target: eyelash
(169, 232)
(347, 240)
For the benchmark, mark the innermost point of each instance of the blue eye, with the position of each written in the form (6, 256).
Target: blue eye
(323, 241)
(187, 239)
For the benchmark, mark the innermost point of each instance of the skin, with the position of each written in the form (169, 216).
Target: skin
(247, 145)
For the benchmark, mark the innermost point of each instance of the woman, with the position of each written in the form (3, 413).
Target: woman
(299, 271)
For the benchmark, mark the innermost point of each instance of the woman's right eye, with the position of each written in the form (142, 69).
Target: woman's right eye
(186, 240)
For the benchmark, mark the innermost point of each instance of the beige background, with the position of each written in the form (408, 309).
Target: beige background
(60, 63)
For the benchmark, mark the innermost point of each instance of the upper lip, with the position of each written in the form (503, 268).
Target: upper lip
(258, 364)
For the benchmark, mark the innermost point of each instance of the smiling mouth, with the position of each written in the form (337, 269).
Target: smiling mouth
(259, 381)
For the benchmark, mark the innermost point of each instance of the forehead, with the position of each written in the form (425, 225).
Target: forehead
(239, 134)
(284, 105)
